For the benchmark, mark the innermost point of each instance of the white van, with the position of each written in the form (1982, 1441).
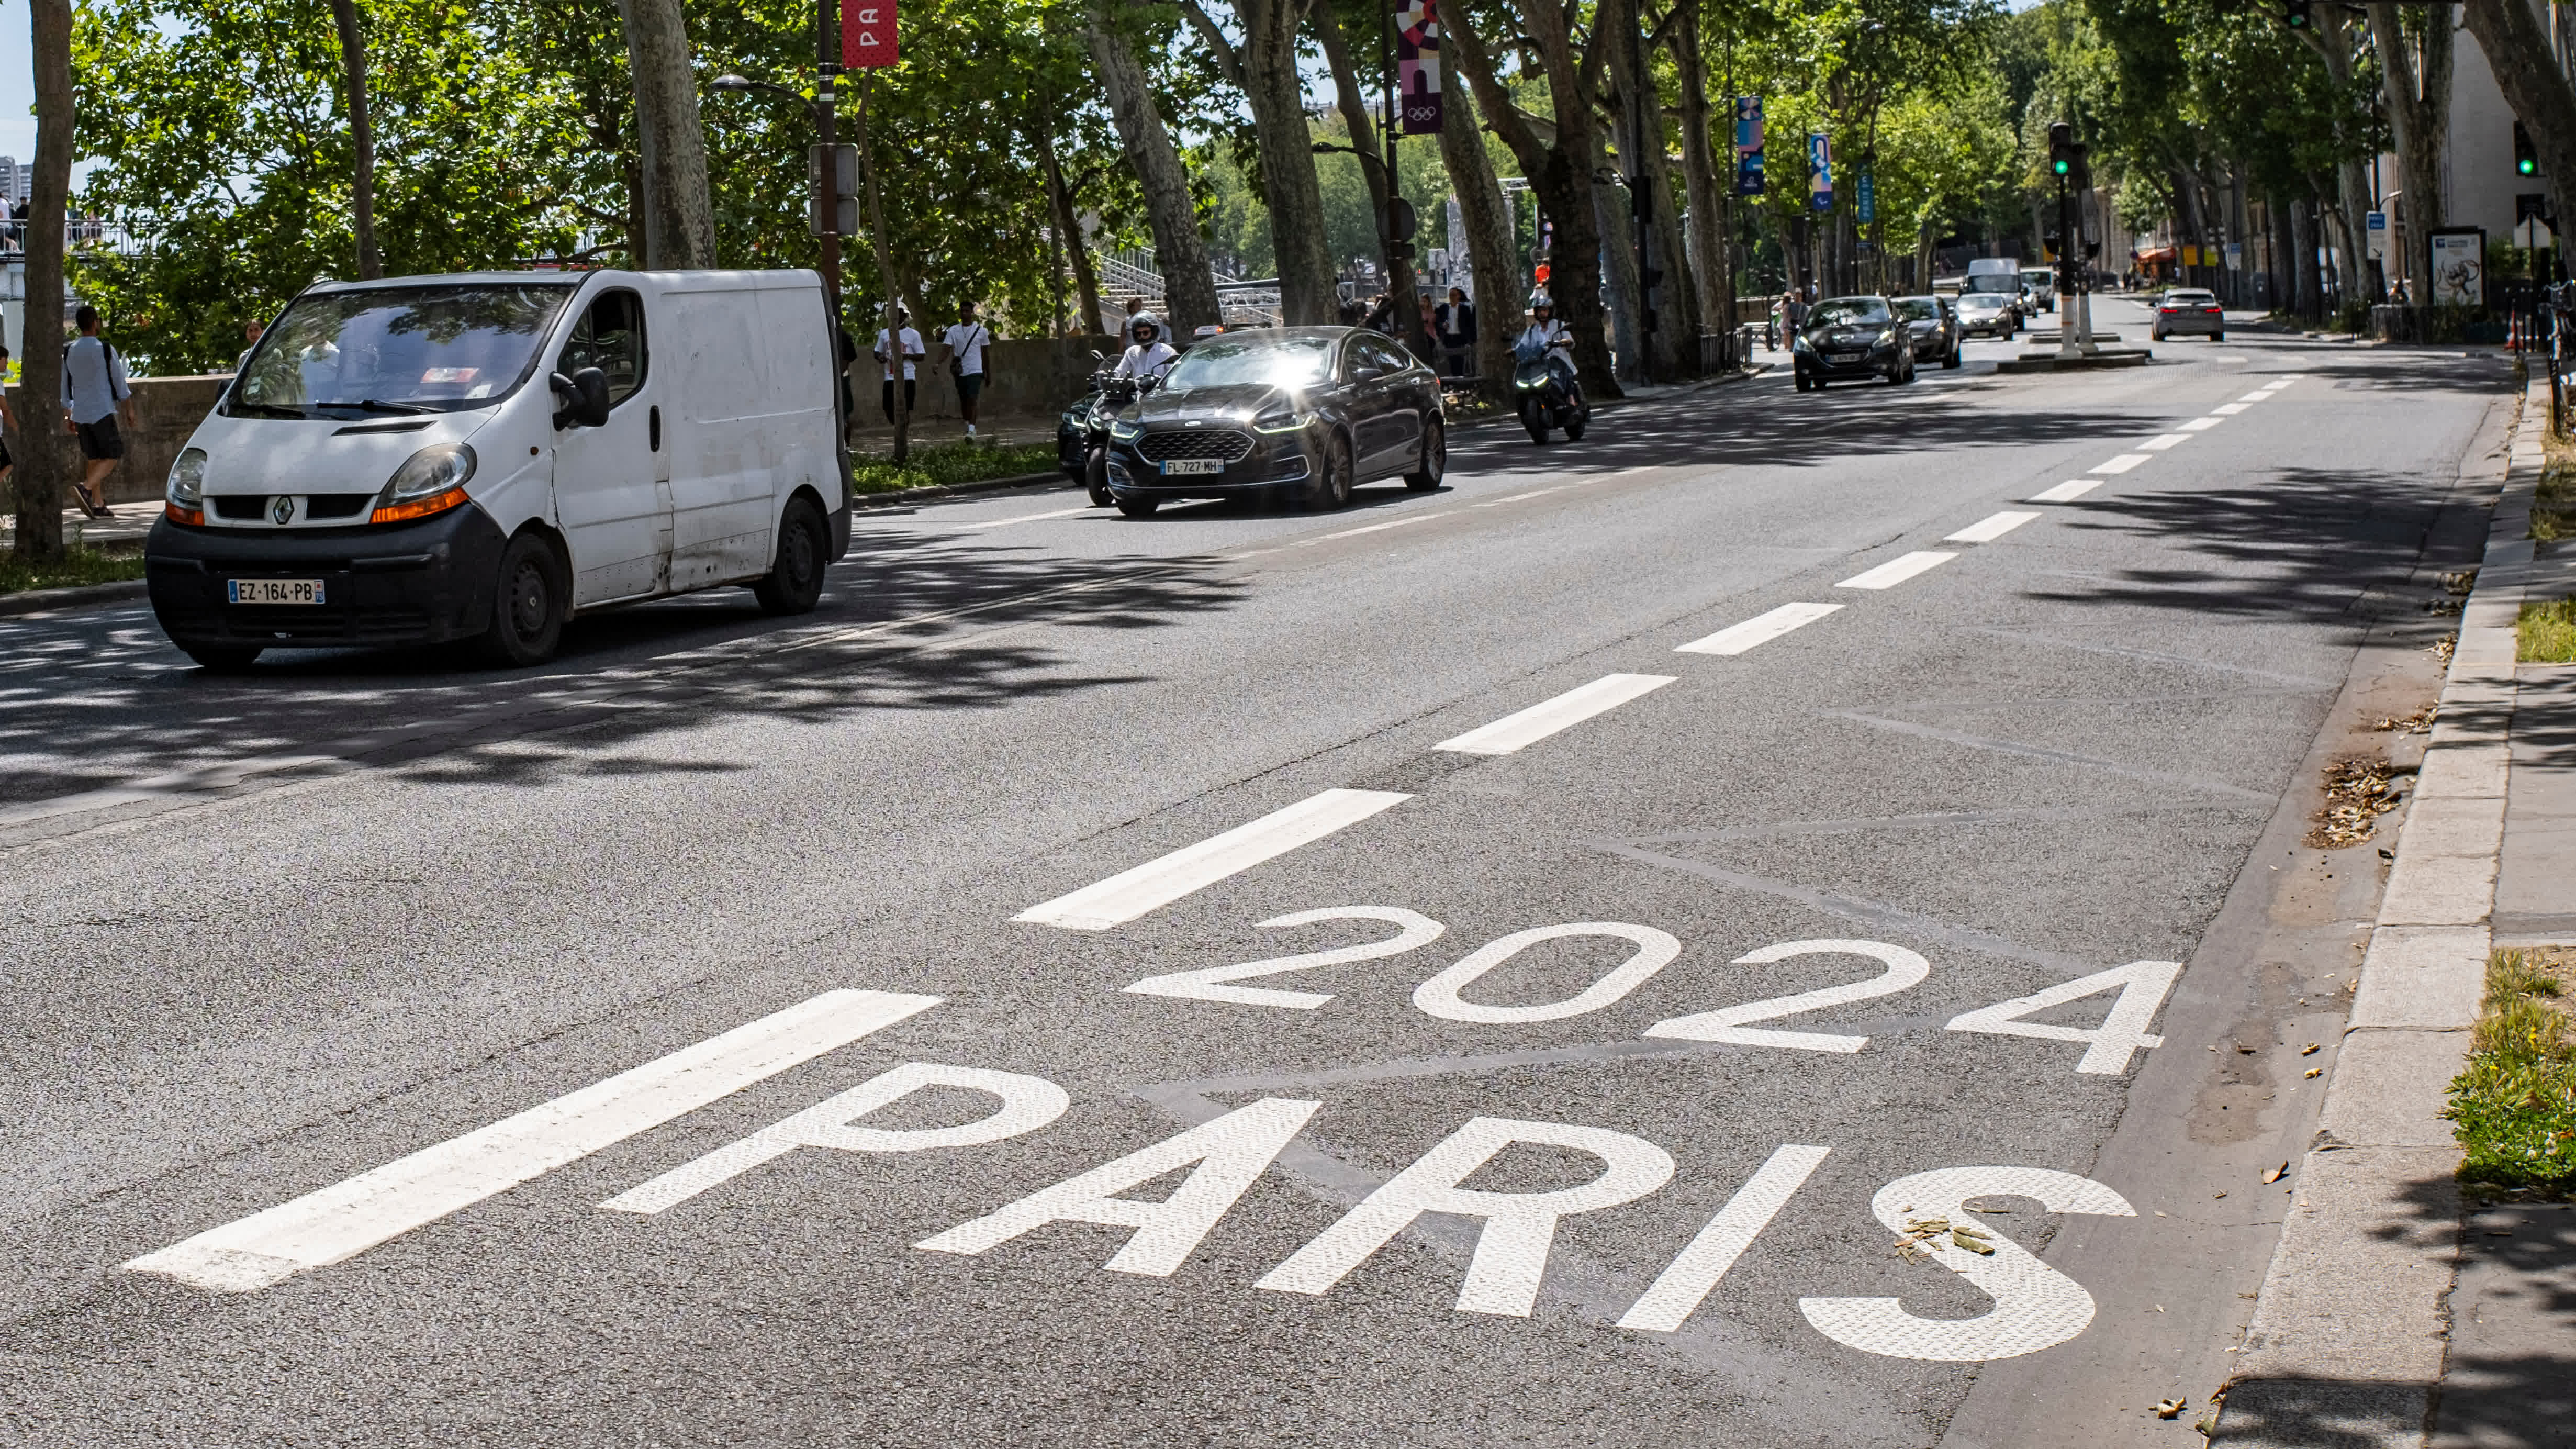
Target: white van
(484, 455)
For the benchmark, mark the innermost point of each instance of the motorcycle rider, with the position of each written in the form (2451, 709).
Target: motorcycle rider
(1546, 334)
(1147, 354)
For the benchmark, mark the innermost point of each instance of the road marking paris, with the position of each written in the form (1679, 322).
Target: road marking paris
(1896, 570)
(2199, 425)
(1159, 882)
(2066, 492)
(2120, 464)
(2162, 441)
(1760, 629)
(1527, 727)
(347, 1219)
(1991, 527)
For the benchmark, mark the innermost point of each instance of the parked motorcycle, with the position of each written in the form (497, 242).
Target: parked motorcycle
(1547, 394)
(1082, 433)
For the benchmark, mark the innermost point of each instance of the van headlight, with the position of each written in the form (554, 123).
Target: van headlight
(188, 478)
(429, 481)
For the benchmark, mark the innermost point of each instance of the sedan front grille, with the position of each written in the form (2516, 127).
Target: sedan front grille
(1224, 444)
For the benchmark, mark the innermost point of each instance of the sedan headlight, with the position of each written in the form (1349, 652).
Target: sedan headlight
(1126, 432)
(429, 481)
(1282, 420)
(188, 478)
(1802, 344)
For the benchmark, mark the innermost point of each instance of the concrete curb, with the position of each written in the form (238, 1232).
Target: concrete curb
(78, 596)
(2353, 1322)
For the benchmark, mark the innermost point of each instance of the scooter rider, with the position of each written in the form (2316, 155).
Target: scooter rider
(1545, 333)
(1147, 354)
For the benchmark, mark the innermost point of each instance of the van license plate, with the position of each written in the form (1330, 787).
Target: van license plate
(1179, 466)
(273, 591)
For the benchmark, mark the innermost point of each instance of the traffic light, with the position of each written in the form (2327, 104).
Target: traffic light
(2061, 149)
(2295, 14)
(2526, 160)
(2079, 173)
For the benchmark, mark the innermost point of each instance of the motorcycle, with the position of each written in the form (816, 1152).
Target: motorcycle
(1082, 433)
(1547, 394)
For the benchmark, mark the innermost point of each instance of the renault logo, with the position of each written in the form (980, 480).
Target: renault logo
(282, 509)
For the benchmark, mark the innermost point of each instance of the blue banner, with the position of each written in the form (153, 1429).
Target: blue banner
(1865, 198)
(1820, 171)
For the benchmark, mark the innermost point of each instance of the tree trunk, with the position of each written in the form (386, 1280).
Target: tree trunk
(1559, 170)
(2303, 258)
(1491, 253)
(2518, 51)
(2333, 44)
(38, 440)
(362, 140)
(1277, 97)
(1618, 263)
(1068, 230)
(1189, 288)
(889, 287)
(1711, 194)
(2419, 104)
(1672, 340)
(1352, 102)
(679, 217)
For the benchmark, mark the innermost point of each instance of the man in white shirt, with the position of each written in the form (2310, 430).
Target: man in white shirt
(95, 393)
(965, 343)
(1147, 354)
(908, 341)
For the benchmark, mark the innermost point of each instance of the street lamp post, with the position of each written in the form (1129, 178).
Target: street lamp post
(827, 177)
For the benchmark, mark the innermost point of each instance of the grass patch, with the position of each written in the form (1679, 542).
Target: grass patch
(945, 463)
(2514, 1109)
(76, 566)
(2553, 507)
(2546, 633)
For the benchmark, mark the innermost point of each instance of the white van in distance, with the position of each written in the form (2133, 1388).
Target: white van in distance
(483, 456)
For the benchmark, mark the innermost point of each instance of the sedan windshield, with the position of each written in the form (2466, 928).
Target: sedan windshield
(1850, 312)
(1279, 362)
(1973, 302)
(419, 349)
(1917, 309)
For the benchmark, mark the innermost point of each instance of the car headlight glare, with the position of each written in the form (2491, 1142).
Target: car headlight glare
(188, 478)
(1802, 344)
(433, 470)
(1126, 432)
(1283, 421)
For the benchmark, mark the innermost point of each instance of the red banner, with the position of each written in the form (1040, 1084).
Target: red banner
(867, 34)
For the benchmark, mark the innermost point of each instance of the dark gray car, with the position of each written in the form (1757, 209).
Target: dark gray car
(1934, 325)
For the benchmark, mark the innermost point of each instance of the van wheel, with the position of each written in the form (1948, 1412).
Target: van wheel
(1435, 460)
(795, 581)
(529, 606)
(222, 658)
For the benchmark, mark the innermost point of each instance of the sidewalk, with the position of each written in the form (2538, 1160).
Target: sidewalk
(127, 527)
(2395, 1314)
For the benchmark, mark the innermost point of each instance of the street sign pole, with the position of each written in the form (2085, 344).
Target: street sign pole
(827, 177)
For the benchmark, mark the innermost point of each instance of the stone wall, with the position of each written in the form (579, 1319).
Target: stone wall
(1022, 378)
(169, 409)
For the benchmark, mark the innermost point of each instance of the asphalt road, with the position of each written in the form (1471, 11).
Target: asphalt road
(1680, 1012)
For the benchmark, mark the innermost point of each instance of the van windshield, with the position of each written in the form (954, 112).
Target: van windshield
(442, 347)
(2003, 282)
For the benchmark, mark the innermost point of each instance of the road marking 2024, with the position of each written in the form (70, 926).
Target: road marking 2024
(2142, 987)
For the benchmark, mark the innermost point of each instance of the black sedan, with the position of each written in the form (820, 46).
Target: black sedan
(1851, 338)
(1305, 413)
(1935, 328)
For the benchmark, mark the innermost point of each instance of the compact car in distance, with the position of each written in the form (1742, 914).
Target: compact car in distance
(2188, 310)
(1850, 339)
(1987, 314)
(1299, 413)
(1935, 328)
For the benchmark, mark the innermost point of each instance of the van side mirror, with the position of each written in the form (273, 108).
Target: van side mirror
(585, 396)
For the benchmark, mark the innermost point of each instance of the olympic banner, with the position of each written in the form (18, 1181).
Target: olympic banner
(1748, 145)
(1417, 65)
(867, 34)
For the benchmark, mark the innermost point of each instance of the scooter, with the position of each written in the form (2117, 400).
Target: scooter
(1082, 433)
(1547, 395)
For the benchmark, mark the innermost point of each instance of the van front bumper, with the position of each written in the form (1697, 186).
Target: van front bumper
(415, 583)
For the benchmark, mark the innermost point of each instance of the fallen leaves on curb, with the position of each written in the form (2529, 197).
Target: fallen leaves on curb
(2309, 1050)
(2441, 649)
(2314, 1071)
(2168, 1408)
(2277, 1173)
(2418, 723)
(2358, 791)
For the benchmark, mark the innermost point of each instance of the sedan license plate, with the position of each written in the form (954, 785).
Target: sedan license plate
(273, 591)
(1178, 466)
(1843, 357)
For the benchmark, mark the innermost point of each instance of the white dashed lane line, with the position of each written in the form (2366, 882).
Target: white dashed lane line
(1026, 517)
(2120, 464)
(1761, 629)
(1159, 882)
(2200, 425)
(2162, 441)
(2255, 396)
(2230, 409)
(2067, 492)
(1527, 727)
(1991, 527)
(1896, 571)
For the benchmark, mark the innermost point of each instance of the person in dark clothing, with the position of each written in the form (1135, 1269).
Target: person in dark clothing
(1456, 319)
(1381, 317)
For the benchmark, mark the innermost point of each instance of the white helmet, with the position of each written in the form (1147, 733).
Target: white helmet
(1145, 319)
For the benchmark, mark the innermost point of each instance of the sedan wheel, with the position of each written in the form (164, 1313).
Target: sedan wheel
(1332, 487)
(1435, 459)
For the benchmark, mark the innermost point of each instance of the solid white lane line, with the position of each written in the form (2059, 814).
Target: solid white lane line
(1896, 571)
(1760, 629)
(2120, 464)
(2199, 425)
(1991, 527)
(348, 1218)
(1027, 517)
(2066, 492)
(1527, 727)
(2231, 409)
(1159, 882)
(1517, 497)
(1390, 523)
(2162, 441)
(1684, 1285)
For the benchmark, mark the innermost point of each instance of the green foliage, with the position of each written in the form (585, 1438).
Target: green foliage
(946, 463)
(2547, 630)
(77, 566)
(2514, 1108)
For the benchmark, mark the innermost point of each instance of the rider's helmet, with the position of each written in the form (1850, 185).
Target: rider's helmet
(1144, 329)
(1542, 305)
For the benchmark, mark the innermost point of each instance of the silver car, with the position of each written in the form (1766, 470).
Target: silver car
(2188, 309)
(1987, 314)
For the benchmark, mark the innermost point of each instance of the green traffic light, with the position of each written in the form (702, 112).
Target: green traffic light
(2059, 167)
(2527, 166)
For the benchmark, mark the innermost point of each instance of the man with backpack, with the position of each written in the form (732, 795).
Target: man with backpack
(96, 393)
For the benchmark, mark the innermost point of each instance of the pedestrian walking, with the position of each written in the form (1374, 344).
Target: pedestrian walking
(1381, 314)
(251, 333)
(95, 393)
(1457, 332)
(907, 341)
(966, 341)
